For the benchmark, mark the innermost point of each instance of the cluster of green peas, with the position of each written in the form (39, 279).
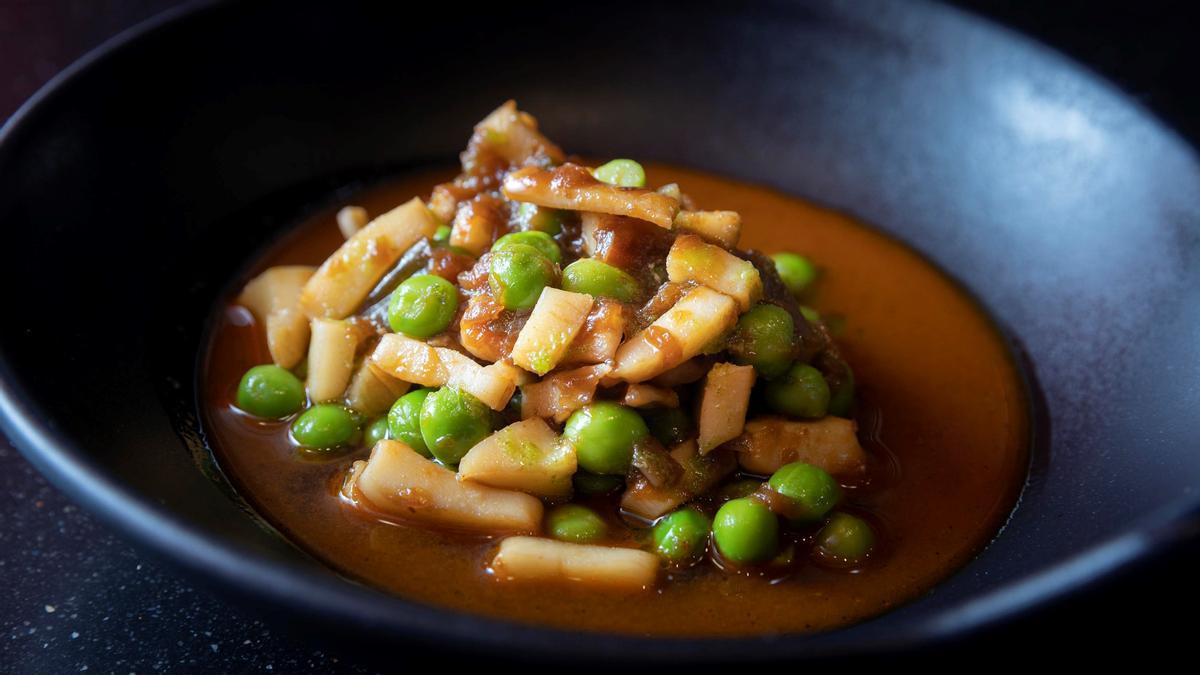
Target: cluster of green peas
(764, 338)
(521, 265)
(271, 392)
(744, 531)
(524, 263)
(445, 423)
(439, 423)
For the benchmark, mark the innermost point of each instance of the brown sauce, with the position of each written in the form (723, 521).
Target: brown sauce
(941, 410)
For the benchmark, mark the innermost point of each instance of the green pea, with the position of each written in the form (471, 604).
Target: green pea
(591, 484)
(442, 233)
(572, 522)
(841, 391)
(517, 275)
(845, 539)
(622, 173)
(670, 426)
(763, 338)
(422, 306)
(539, 240)
(590, 276)
(270, 391)
(742, 487)
(452, 422)
(811, 491)
(404, 420)
(376, 431)
(325, 426)
(800, 392)
(798, 273)
(681, 537)
(746, 531)
(603, 434)
(810, 315)
(539, 218)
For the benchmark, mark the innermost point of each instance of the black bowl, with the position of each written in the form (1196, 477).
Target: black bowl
(139, 181)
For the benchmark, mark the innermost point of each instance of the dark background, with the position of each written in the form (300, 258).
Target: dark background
(75, 597)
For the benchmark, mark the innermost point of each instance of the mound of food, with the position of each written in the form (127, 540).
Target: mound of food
(577, 363)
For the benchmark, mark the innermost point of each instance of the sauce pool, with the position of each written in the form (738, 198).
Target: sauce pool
(941, 410)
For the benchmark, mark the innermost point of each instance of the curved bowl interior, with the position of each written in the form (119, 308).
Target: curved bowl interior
(138, 185)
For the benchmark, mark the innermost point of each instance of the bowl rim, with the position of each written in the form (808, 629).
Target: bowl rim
(154, 529)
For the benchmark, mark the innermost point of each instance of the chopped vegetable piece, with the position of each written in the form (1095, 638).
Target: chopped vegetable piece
(543, 560)
(800, 392)
(603, 434)
(763, 338)
(556, 320)
(443, 202)
(452, 422)
(351, 219)
(691, 259)
(798, 273)
(517, 275)
(746, 532)
(601, 335)
(422, 306)
(681, 537)
(655, 464)
(572, 187)
(719, 227)
(592, 277)
(525, 456)
(518, 375)
(493, 384)
(377, 430)
(270, 392)
(723, 404)
(399, 482)
(514, 135)
(478, 223)
(561, 393)
(810, 315)
(626, 243)
(331, 358)
(810, 491)
(409, 360)
(622, 173)
(325, 426)
(845, 540)
(699, 318)
(700, 474)
(372, 391)
(830, 443)
(539, 240)
(538, 219)
(274, 299)
(572, 522)
(650, 396)
(342, 282)
(486, 329)
(442, 234)
(404, 420)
